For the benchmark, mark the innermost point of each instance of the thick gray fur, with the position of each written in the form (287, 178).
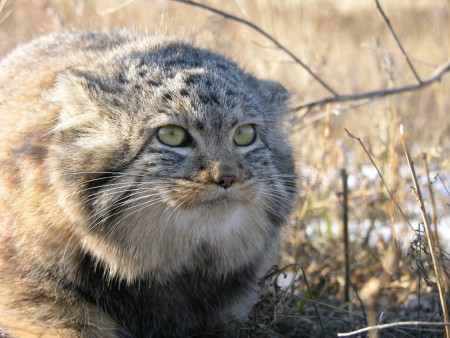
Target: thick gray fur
(105, 230)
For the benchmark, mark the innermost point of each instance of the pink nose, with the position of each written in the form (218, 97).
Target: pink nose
(226, 181)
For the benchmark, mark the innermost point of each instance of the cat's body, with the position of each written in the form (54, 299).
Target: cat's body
(143, 184)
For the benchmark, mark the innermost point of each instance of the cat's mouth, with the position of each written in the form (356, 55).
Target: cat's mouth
(213, 195)
(221, 199)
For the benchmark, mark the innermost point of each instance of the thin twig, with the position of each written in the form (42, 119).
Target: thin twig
(436, 76)
(273, 40)
(430, 239)
(313, 301)
(2, 4)
(344, 177)
(381, 177)
(359, 299)
(391, 325)
(438, 176)
(294, 276)
(388, 23)
(432, 200)
(110, 10)
(396, 54)
(419, 284)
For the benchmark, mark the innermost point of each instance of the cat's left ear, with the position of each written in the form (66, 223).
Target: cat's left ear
(275, 90)
(275, 95)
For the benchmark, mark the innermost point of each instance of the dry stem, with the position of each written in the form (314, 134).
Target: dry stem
(430, 238)
(381, 177)
(391, 325)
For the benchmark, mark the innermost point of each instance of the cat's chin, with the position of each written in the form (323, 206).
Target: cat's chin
(214, 236)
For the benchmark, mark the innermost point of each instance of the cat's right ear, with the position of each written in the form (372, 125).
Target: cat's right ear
(74, 92)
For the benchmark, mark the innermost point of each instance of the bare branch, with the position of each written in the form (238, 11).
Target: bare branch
(259, 30)
(436, 76)
(388, 23)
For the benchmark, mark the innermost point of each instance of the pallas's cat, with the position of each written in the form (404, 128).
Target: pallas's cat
(143, 184)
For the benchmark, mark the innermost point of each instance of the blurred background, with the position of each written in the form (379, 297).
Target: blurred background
(349, 46)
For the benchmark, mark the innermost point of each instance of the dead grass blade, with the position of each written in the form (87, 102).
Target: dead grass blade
(391, 325)
(429, 235)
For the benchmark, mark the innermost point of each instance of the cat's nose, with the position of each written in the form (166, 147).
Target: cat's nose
(226, 181)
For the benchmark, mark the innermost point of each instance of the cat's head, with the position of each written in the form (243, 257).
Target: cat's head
(175, 157)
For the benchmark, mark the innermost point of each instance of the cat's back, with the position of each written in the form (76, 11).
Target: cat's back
(51, 53)
(35, 64)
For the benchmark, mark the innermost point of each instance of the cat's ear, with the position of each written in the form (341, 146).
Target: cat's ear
(75, 92)
(275, 90)
(275, 96)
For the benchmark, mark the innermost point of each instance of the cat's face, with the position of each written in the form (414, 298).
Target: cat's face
(175, 159)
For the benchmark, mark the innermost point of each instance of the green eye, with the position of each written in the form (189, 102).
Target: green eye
(172, 136)
(245, 135)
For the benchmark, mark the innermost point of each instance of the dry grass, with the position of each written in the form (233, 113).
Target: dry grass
(349, 46)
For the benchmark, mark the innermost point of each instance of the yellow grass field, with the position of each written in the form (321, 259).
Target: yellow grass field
(349, 46)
